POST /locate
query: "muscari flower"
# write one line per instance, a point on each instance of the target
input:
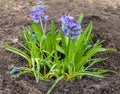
(70, 27)
(14, 70)
(37, 13)
(34, 36)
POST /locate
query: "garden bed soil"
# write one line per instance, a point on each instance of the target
(105, 15)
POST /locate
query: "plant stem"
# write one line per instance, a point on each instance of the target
(57, 80)
(42, 25)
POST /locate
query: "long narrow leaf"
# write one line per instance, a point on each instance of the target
(19, 52)
(37, 30)
(80, 18)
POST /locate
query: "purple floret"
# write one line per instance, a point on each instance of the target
(66, 30)
(45, 18)
(67, 20)
(70, 27)
(37, 13)
(40, 2)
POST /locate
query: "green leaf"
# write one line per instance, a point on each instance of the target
(95, 74)
(60, 49)
(53, 29)
(22, 45)
(80, 18)
(37, 30)
(27, 37)
(83, 41)
(64, 45)
(94, 61)
(19, 52)
(71, 51)
(35, 53)
(49, 42)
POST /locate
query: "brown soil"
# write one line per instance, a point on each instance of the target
(105, 15)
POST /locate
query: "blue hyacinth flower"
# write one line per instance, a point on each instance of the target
(67, 20)
(66, 30)
(74, 34)
(37, 13)
(70, 27)
(44, 18)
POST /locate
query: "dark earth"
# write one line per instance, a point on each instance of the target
(105, 14)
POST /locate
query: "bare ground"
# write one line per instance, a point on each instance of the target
(106, 25)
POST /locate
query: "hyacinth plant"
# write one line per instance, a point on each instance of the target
(66, 53)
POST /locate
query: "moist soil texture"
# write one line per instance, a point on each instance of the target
(105, 14)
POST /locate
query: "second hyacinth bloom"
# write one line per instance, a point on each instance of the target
(70, 27)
